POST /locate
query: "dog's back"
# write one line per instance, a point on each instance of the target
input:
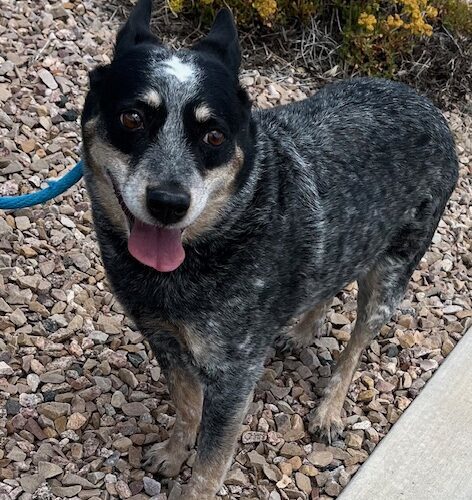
(363, 162)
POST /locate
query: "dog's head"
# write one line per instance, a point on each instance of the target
(166, 135)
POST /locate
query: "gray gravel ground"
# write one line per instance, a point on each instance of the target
(81, 395)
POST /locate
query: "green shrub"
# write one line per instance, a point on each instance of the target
(374, 36)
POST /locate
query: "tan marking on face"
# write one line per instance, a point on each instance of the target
(220, 183)
(100, 155)
(152, 97)
(203, 112)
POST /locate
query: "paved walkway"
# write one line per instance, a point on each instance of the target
(428, 453)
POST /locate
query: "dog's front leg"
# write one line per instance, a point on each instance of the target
(166, 458)
(226, 398)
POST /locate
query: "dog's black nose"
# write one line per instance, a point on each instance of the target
(168, 204)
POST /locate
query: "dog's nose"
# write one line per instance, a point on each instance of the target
(168, 204)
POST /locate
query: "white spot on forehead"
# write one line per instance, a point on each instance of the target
(183, 71)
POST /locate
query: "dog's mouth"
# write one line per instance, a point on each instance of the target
(157, 247)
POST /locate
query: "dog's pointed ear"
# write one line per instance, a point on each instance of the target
(222, 41)
(137, 28)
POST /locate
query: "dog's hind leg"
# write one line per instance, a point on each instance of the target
(380, 290)
(166, 459)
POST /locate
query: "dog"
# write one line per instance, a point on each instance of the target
(219, 224)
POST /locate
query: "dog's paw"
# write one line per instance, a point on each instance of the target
(187, 492)
(161, 460)
(326, 423)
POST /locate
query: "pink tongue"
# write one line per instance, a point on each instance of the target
(156, 247)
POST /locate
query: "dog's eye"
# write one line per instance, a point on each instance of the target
(214, 138)
(132, 120)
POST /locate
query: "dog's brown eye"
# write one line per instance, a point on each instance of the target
(215, 138)
(131, 120)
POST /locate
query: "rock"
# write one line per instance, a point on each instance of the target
(128, 377)
(54, 410)
(255, 459)
(5, 94)
(383, 386)
(428, 364)
(283, 423)
(272, 472)
(296, 463)
(284, 482)
(309, 470)
(406, 339)
(292, 450)
(30, 483)
(286, 468)
(98, 337)
(66, 491)
(353, 440)
(332, 488)
(30, 400)
(70, 479)
(134, 409)
(5, 369)
(155, 373)
(48, 470)
(80, 261)
(17, 317)
(122, 489)
(118, 399)
(253, 437)
(33, 381)
(12, 406)
(22, 223)
(367, 395)
(320, 458)
(447, 347)
(363, 425)
(47, 78)
(76, 421)
(274, 495)
(28, 146)
(151, 486)
(16, 454)
(339, 319)
(122, 444)
(236, 477)
(117, 359)
(303, 482)
(54, 377)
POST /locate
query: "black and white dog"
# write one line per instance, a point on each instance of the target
(218, 225)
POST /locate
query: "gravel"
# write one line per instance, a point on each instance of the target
(81, 395)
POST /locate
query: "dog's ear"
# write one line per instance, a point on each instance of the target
(222, 41)
(137, 28)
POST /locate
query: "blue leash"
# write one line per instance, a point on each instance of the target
(55, 188)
